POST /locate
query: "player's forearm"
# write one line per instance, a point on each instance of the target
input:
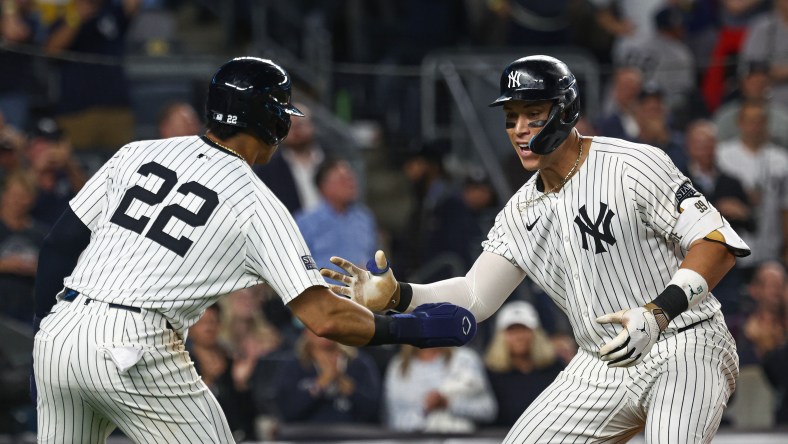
(482, 291)
(711, 260)
(334, 317)
(702, 269)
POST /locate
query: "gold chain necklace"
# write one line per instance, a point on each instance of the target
(532, 201)
(227, 148)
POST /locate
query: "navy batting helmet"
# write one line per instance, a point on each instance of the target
(253, 94)
(538, 78)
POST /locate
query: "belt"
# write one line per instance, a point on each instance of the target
(70, 295)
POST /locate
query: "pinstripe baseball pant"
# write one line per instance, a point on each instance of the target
(678, 394)
(99, 367)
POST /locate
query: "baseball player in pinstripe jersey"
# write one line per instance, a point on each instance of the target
(158, 234)
(624, 245)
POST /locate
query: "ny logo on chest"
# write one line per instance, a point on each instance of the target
(588, 228)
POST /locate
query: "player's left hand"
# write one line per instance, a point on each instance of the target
(372, 288)
(640, 333)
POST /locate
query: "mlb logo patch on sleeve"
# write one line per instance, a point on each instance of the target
(309, 263)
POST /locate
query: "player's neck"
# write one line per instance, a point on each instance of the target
(242, 145)
(569, 158)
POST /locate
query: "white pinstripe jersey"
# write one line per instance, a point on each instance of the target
(605, 241)
(178, 222)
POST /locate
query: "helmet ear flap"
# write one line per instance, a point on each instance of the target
(549, 137)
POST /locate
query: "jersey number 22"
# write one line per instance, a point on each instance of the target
(156, 233)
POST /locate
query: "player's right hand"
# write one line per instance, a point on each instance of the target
(640, 333)
(373, 288)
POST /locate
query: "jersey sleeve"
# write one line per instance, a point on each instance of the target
(91, 201)
(497, 239)
(276, 251)
(669, 204)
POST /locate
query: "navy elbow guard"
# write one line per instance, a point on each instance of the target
(429, 325)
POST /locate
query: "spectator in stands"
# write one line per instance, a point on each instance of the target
(18, 26)
(734, 16)
(58, 174)
(759, 331)
(767, 41)
(21, 237)
(440, 224)
(437, 390)
(754, 84)
(520, 360)
(178, 119)
(652, 118)
(246, 332)
(93, 107)
(618, 118)
(664, 59)
(339, 225)
(291, 172)
(326, 382)
(723, 191)
(214, 364)
(762, 168)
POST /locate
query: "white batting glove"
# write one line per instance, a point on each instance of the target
(640, 333)
(372, 289)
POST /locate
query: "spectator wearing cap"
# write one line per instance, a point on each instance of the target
(754, 84)
(665, 59)
(339, 225)
(653, 121)
(767, 41)
(521, 361)
(57, 172)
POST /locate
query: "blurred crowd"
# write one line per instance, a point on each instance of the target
(705, 80)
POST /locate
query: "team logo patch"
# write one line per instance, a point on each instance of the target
(684, 192)
(591, 228)
(309, 263)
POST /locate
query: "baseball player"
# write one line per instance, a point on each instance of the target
(625, 246)
(157, 235)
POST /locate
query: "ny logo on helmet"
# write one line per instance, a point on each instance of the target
(514, 79)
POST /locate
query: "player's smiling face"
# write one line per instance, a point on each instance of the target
(524, 120)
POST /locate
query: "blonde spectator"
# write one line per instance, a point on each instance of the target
(246, 332)
(521, 361)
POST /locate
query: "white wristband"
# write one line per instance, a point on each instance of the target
(692, 283)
